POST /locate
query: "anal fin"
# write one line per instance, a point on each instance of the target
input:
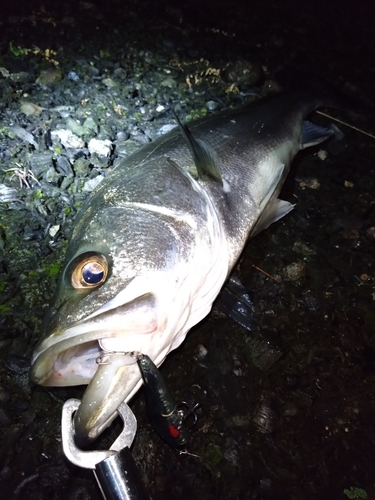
(235, 302)
(313, 134)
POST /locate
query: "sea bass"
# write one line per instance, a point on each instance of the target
(154, 244)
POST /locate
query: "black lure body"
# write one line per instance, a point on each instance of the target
(164, 415)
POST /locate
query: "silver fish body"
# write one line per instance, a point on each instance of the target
(152, 247)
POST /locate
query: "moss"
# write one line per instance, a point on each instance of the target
(4, 309)
(213, 454)
(199, 113)
(17, 50)
(104, 54)
(53, 269)
(38, 194)
(33, 274)
(355, 493)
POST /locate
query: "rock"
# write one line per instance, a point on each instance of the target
(100, 147)
(294, 271)
(67, 138)
(244, 72)
(92, 184)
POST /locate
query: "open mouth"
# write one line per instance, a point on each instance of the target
(101, 351)
(110, 370)
(76, 365)
(112, 378)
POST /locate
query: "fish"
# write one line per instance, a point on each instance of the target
(154, 244)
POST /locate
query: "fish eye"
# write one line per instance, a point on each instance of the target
(89, 272)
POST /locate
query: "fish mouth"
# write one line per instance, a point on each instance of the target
(68, 356)
(100, 351)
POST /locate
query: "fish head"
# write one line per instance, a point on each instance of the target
(124, 268)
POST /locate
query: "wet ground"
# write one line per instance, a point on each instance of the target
(286, 412)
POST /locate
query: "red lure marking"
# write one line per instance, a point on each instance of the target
(173, 431)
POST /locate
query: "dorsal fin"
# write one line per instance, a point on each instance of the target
(205, 160)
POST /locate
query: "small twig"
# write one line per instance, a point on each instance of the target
(264, 272)
(346, 124)
(22, 174)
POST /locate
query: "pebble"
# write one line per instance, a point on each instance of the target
(241, 72)
(54, 230)
(294, 271)
(7, 194)
(212, 105)
(122, 135)
(91, 184)
(72, 75)
(63, 166)
(75, 127)
(4, 395)
(67, 138)
(165, 129)
(100, 147)
(90, 125)
(309, 182)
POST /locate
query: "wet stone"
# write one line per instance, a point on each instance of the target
(63, 166)
(51, 175)
(5, 473)
(100, 147)
(91, 184)
(40, 163)
(90, 125)
(4, 395)
(232, 455)
(17, 364)
(81, 167)
(265, 416)
(122, 135)
(20, 406)
(244, 72)
(30, 234)
(264, 350)
(7, 194)
(75, 127)
(67, 181)
(290, 409)
(311, 302)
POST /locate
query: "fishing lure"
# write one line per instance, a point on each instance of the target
(167, 418)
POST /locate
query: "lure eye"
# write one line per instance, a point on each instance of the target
(89, 272)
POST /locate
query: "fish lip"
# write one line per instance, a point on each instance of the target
(44, 356)
(50, 349)
(129, 321)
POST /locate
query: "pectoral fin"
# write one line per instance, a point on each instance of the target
(274, 211)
